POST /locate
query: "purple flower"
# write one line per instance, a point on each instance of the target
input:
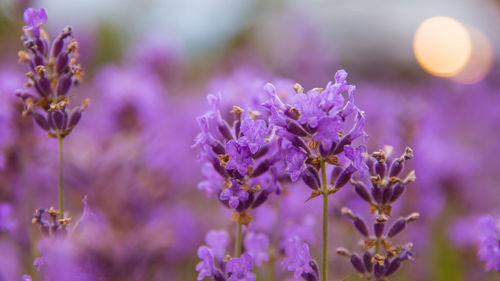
(239, 269)
(309, 107)
(206, 267)
(489, 243)
(254, 133)
(34, 20)
(213, 181)
(356, 156)
(26, 278)
(240, 157)
(298, 258)
(256, 246)
(7, 223)
(218, 241)
(328, 129)
(295, 159)
(358, 129)
(234, 195)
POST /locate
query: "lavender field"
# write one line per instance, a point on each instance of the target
(249, 140)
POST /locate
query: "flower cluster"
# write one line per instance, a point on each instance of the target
(386, 188)
(221, 267)
(53, 70)
(489, 242)
(241, 158)
(313, 127)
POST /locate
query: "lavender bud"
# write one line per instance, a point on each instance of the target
(314, 265)
(360, 225)
(237, 127)
(370, 163)
(343, 252)
(260, 199)
(380, 168)
(225, 131)
(311, 178)
(377, 194)
(43, 86)
(324, 151)
(335, 173)
(340, 146)
(360, 189)
(58, 44)
(261, 168)
(38, 60)
(218, 148)
(357, 263)
(378, 228)
(76, 114)
(345, 176)
(218, 275)
(387, 194)
(309, 276)
(378, 270)
(40, 45)
(393, 266)
(396, 168)
(399, 188)
(412, 217)
(62, 63)
(367, 259)
(242, 206)
(58, 120)
(219, 168)
(261, 152)
(64, 84)
(41, 121)
(295, 128)
(292, 113)
(298, 142)
(398, 226)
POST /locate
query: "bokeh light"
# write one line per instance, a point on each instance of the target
(442, 46)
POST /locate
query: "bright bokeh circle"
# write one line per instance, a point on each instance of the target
(442, 46)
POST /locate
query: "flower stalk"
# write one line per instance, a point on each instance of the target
(60, 184)
(325, 221)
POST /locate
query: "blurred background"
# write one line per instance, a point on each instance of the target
(426, 74)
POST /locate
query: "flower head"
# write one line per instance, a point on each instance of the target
(489, 243)
(298, 258)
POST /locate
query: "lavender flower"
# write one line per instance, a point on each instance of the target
(34, 20)
(386, 188)
(256, 245)
(299, 260)
(489, 243)
(220, 267)
(239, 269)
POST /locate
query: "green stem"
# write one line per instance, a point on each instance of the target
(325, 221)
(237, 247)
(60, 178)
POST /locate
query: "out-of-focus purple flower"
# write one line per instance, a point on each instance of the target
(217, 241)
(234, 195)
(206, 267)
(213, 180)
(239, 269)
(7, 223)
(34, 19)
(26, 278)
(489, 243)
(256, 245)
(240, 157)
(298, 258)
